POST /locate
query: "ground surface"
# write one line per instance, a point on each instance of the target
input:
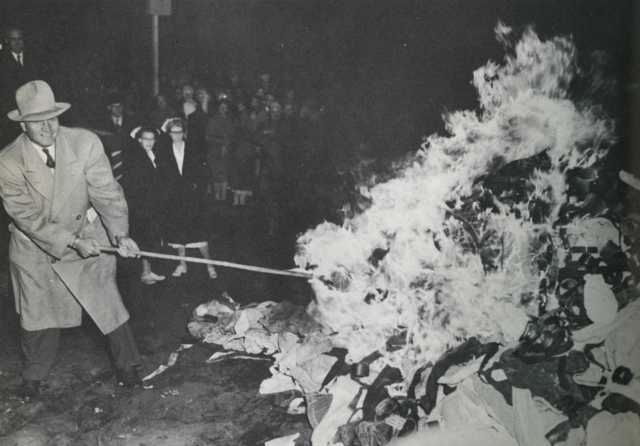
(192, 403)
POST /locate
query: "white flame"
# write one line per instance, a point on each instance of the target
(430, 284)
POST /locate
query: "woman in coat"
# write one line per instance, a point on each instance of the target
(145, 194)
(185, 174)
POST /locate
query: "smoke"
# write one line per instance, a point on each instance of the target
(445, 250)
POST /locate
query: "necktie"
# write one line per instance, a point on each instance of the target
(21, 62)
(50, 161)
(152, 157)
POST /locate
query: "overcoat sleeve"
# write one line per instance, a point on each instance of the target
(105, 193)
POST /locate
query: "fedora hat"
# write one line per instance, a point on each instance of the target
(36, 102)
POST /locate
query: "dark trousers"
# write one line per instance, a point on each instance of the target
(40, 347)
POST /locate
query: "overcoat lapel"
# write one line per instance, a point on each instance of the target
(35, 170)
(67, 173)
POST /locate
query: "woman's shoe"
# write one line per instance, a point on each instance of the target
(156, 277)
(150, 278)
(212, 272)
(180, 270)
(147, 279)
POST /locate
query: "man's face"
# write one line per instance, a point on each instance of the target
(176, 133)
(202, 95)
(187, 93)
(147, 140)
(15, 41)
(116, 109)
(42, 133)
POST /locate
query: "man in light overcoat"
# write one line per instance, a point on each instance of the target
(57, 187)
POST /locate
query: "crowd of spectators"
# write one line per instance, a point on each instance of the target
(263, 152)
(266, 152)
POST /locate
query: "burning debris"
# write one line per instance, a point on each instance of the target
(494, 276)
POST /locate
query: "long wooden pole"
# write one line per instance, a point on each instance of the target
(257, 269)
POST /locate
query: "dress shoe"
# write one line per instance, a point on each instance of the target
(29, 389)
(128, 378)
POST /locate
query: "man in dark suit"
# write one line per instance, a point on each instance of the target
(114, 132)
(17, 67)
(117, 120)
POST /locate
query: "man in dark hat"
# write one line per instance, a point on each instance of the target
(64, 204)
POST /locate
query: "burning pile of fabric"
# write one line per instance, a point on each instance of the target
(491, 283)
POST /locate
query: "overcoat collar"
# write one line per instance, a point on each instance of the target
(36, 171)
(57, 187)
(67, 172)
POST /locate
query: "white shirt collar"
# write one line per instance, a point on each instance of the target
(38, 148)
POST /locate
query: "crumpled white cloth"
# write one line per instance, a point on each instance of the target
(305, 362)
(621, 348)
(476, 408)
(289, 440)
(343, 390)
(277, 382)
(607, 429)
(599, 300)
(463, 436)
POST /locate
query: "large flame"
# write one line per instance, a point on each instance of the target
(412, 264)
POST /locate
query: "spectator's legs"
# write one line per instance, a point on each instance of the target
(182, 266)
(204, 252)
(148, 277)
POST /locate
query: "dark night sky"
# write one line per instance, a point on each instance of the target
(397, 63)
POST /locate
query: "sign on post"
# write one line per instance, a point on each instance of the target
(159, 7)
